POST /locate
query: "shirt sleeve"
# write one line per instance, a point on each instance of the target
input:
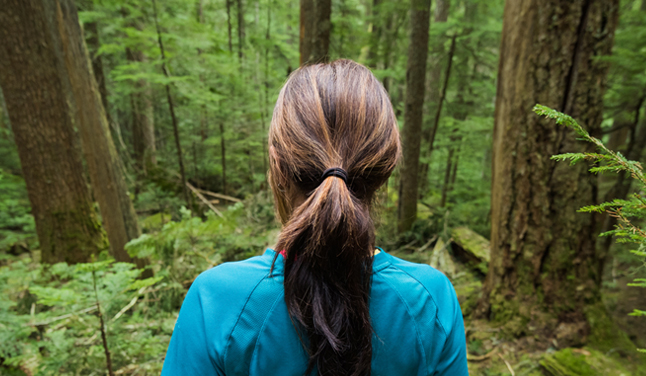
(189, 351)
(453, 359)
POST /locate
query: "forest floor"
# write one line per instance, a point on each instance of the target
(491, 352)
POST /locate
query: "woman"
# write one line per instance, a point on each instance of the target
(329, 303)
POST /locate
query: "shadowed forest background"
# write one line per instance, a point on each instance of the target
(133, 156)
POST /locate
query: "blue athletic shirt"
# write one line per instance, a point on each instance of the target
(234, 321)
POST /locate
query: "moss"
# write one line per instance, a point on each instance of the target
(604, 333)
(582, 362)
(472, 242)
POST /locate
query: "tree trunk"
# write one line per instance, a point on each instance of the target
(392, 34)
(447, 177)
(375, 34)
(241, 34)
(412, 130)
(307, 31)
(441, 15)
(454, 173)
(430, 135)
(104, 165)
(143, 128)
(321, 42)
(42, 123)
(94, 43)
(223, 158)
(171, 109)
(544, 268)
(229, 25)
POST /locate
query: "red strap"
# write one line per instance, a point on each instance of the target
(283, 253)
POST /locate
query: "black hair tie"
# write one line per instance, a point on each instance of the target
(336, 172)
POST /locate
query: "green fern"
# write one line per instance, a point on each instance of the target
(629, 212)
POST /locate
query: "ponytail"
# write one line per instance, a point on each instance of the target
(329, 119)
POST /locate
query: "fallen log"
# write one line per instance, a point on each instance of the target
(441, 259)
(471, 248)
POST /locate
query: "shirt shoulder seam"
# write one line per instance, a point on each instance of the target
(228, 344)
(264, 324)
(408, 310)
(430, 295)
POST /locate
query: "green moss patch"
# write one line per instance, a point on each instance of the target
(582, 362)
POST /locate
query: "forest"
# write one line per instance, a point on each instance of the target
(133, 157)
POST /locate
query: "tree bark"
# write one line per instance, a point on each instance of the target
(307, 31)
(143, 127)
(94, 43)
(544, 268)
(412, 130)
(321, 42)
(42, 123)
(104, 164)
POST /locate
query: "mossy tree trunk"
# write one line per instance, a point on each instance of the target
(544, 267)
(420, 12)
(42, 123)
(103, 162)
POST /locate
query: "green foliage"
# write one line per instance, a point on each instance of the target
(49, 320)
(16, 223)
(630, 213)
(182, 249)
(49, 317)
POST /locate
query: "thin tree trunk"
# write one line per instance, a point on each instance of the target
(266, 104)
(229, 25)
(241, 34)
(375, 34)
(438, 111)
(203, 113)
(441, 15)
(143, 128)
(412, 130)
(307, 9)
(223, 157)
(447, 177)
(171, 108)
(454, 173)
(392, 34)
(42, 124)
(545, 270)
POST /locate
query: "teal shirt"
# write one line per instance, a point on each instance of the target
(234, 321)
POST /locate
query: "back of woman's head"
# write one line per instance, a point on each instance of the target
(334, 115)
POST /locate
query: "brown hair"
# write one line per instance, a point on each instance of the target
(331, 115)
